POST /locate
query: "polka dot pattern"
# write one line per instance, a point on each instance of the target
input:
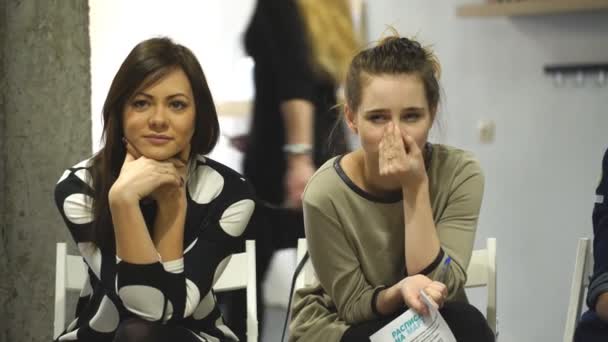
(205, 307)
(71, 336)
(87, 290)
(212, 190)
(193, 297)
(219, 323)
(199, 337)
(79, 174)
(220, 268)
(209, 338)
(144, 301)
(206, 185)
(190, 246)
(78, 208)
(234, 219)
(72, 325)
(84, 175)
(65, 175)
(92, 255)
(106, 319)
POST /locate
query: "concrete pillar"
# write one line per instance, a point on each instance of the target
(4, 280)
(44, 128)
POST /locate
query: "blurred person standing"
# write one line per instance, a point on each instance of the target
(301, 50)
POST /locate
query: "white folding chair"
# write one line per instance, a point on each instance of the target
(307, 275)
(70, 274)
(583, 266)
(239, 274)
(481, 272)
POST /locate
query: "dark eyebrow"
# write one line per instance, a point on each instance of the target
(141, 93)
(178, 94)
(411, 109)
(384, 110)
(169, 97)
(376, 111)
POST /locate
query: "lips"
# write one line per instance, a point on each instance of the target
(157, 139)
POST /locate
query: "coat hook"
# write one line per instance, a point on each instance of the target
(558, 79)
(601, 78)
(562, 73)
(580, 79)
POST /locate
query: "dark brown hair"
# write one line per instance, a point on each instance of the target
(394, 55)
(147, 63)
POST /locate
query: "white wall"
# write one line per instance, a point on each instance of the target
(543, 167)
(211, 29)
(541, 170)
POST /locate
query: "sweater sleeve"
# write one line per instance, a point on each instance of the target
(599, 280)
(457, 225)
(152, 291)
(169, 293)
(74, 199)
(337, 267)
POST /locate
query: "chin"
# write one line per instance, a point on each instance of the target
(158, 155)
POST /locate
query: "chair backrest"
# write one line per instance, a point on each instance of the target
(70, 274)
(481, 272)
(583, 266)
(240, 273)
(307, 276)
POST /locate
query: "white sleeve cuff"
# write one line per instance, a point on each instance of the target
(174, 266)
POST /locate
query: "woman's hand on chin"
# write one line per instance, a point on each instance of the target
(141, 177)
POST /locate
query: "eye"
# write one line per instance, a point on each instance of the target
(376, 118)
(140, 104)
(411, 117)
(178, 105)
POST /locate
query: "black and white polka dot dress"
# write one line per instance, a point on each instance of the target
(220, 205)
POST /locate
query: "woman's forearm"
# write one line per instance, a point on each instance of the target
(133, 242)
(299, 121)
(168, 234)
(389, 300)
(421, 240)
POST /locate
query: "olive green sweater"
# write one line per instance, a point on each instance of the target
(356, 241)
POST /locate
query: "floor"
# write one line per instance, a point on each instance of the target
(274, 318)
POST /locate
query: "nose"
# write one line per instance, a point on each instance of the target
(158, 119)
(399, 126)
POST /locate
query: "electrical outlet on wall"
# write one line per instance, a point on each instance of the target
(486, 130)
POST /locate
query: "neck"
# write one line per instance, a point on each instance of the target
(371, 179)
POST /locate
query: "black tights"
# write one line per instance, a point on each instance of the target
(139, 330)
(591, 329)
(465, 321)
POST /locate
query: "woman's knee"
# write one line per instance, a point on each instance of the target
(467, 322)
(461, 309)
(136, 330)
